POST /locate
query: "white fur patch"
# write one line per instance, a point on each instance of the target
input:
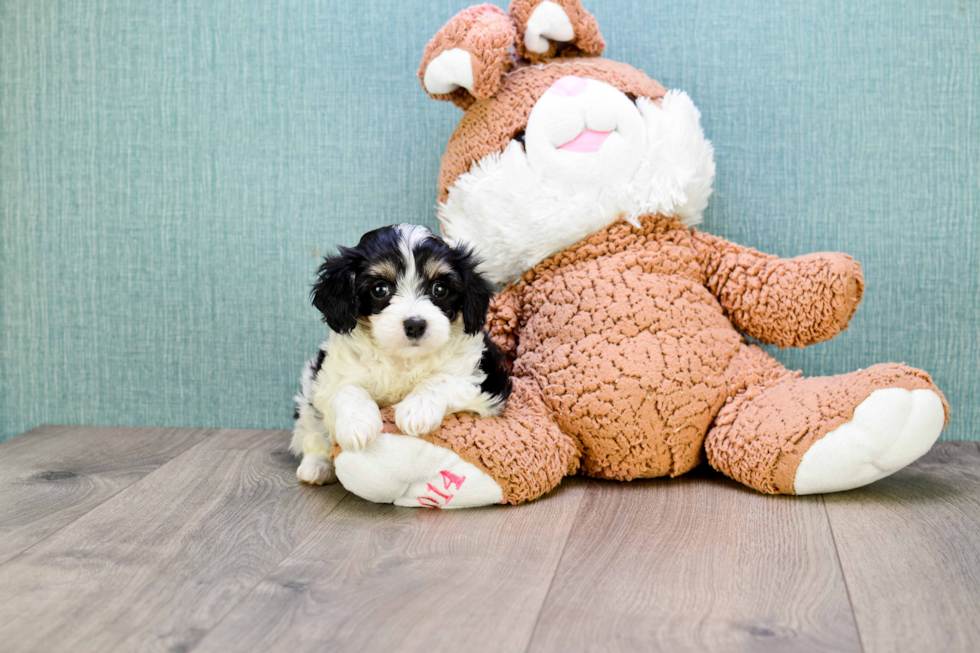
(414, 473)
(316, 470)
(448, 71)
(889, 430)
(558, 118)
(422, 410)
(547, 21)
(357, 419)
(388, 326)
(516, 209)
(357, 377)
(420, 413)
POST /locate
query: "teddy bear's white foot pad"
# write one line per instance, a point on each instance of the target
(889, 430)
(410, 472)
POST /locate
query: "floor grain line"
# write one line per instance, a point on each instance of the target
(180, 540)
(383, 578)
(843, 572)
(155, 567)
(696, 563)
(267, 574)
(909, 547)
(54, 475)
(590, 486)
(26, 551)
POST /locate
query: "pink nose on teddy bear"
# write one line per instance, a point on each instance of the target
(569, 85)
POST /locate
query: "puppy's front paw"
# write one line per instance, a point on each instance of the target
(316, 471)
(419, 414)
(355, 428)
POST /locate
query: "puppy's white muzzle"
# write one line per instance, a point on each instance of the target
(410, 327)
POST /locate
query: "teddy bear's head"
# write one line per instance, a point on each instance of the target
(556, 143)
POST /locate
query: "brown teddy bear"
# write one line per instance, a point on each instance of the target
(576, 179)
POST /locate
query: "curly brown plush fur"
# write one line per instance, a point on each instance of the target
(629, 348)
(627, 363)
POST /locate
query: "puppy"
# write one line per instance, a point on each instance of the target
(406, 312)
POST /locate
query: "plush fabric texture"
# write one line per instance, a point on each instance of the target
(890, 429)
(485, 32)
(660, 163)
(762, 433)
(796, 302)
(587, 41)
(414, 473)
(632, 341)
(626, 338)
(627, 365)
(489, 125)
(523, 450)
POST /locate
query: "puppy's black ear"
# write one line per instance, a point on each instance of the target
(477, 291)
(334, 293)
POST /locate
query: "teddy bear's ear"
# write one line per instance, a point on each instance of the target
(553, 28)
(467, 59)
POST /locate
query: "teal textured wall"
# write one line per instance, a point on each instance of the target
(171, 170)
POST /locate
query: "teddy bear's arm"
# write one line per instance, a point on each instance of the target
(787, 302)
(503, 321)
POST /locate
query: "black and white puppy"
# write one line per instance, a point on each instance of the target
(406, 312)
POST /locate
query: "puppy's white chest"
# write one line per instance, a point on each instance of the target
(390, 383)
(387, 379)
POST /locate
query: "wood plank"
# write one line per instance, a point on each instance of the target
(909, 546)
(697, 563)
(53, 475)
(380, 578)
(159, 564)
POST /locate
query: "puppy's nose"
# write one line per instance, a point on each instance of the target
(414, 327)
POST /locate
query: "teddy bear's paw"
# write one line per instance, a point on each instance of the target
(316, 470)
(419, 414)
(889, 430)
(411, 472)
(354, 429)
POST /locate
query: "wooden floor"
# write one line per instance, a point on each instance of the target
(180, 540)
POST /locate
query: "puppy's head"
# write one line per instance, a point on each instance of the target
(406, 287)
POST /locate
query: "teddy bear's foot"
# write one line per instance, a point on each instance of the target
(467, 461)
(889, 430)
(411, 472)
(794, 435)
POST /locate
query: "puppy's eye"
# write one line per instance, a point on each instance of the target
(439, 290)
(380, 290)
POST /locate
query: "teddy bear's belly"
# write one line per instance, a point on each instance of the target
(633, 364)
